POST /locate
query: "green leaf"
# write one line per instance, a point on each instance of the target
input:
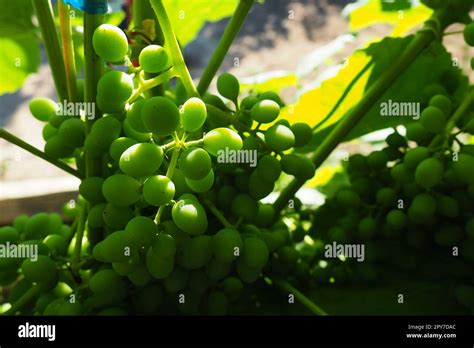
(15, 18)
(363, 68)
(269, 81)
(20, 56)
(188, 17)
(399, 13)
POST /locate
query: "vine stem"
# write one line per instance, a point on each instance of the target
(218, 214)
(45, 16)
(25, 299)
(305, 301)
(175, 51)
(76, 257)
(421, 40)
(68, 49)
(224, 44)
(151, 83)
(4, 134)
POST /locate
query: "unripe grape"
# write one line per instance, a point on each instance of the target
(417, 133)
(121, 190)
(72, 132)
(9, 234)
(141, 160)
(396, 140)
(303, 133)
(57, 148)
(232, 287)
(443, 103)
(265, 111)
(366, 228)
(279, 138)
(177, 280)
(107, 126)
(399, 173)
(219, 139)
(118, 147)
(248, 102)
(201, 185)
(447, 206)
(348, 198)
(43, 109)
(91, 189)
(227, 245)
(164, 245)
(158, 190)
(196, 252)
(193, 114)
(469, 34)
(386, 196)
(464, 167)
(190, 216)
(110, 43)
(244, 206)
(228, 86)
(270, 95)
(95, 218)
(396, 219)
(298, 165)
(254, 252)
(114, 88)
(423, 207)
(415, 156)
(246, 273)
(258, 187)
(429, 173)
(160, 116)
(153, 59)
(377, 160)
(159, 267)
(43, 270)
(195, 163)
(49, 131)
(134, 116)
(114, 247)
(268, 168)
(433, 119)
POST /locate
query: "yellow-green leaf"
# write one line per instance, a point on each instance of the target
(270, 81)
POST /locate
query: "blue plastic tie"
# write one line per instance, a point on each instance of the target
(89, 6)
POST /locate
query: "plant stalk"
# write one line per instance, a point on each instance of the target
(224, 44)
(24, 300)
(68, 49)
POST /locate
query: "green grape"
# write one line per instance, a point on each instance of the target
(269, 95)
(43, 109)
(469, 34)
(348, 198)
(399, 173)
(392, 153)
(134, 116)
(248, 102)
(386, 196)
(396, 140)
(225, 195)
(415, 156)
(107, 126)
(298, 165)
(121, 190)
(279, 138)
(193, 114)
(268, 168)
(433, 119)
(57, 148)
(72, 131)
(91, 189)
(216, 101)
(258, 187)
(469, 228)
(221, 139)
(114, 248)
(337, 234)
(49, 131)
(429, 173)
(303, 133)
(160, 116)
(127, 267)
(232, 287)
(113, 89)
(443, 103)
(265, 215)
(417, 133)
(107, 282)
(158, 190)
(377, 160)
(148, 300)
(159, 267)
(177, 280)
(97, 144)
(164, 245)
(228, 86)
(118, 147)
(431, 90)
(244, 206)
(43, 270)
(37, 226)
(448, 235)
(265, 111)
(254, 252)
(217, 270)
(226, 245)
(140, 232)
(366, 228)
(140, 276)
(95, 218)
(57, 244)
(195, 163)
(196, 252)
(396, 219)
(447, 206)
(422, 208)
(358, 163)
(245, 119)
(110, 43)
(217, 303)
(464, 167)
(190, 216)
(153, 59)
(68, 308)
(201, 185)
(141, 160)
(246, 273)
(8, 234)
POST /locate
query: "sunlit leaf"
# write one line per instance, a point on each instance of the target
(15, 19)
(269, 81)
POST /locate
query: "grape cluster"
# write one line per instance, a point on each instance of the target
(407, 203)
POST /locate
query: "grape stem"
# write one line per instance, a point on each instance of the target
(218, 214)
(4, 134)
(173, 47)
(224, 44)
(68, 49)
(45, 16)
(153, 82)
(305, 301)
(24, 300)
(421, 40)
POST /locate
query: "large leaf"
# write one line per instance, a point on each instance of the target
(20, 56)
(399, 13)
(15, 17)
(274, 81)
(188, 17)
(363, 68)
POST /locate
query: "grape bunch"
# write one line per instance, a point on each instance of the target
(174, 220)
(409, 204)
